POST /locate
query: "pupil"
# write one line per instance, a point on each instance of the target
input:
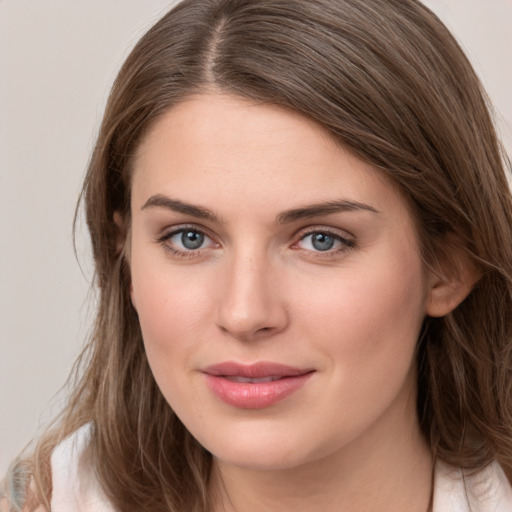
(192, 239)
(322, 242)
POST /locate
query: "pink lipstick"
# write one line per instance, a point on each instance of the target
(254, 386)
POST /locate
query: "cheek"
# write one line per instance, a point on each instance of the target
(368, 329)
(358, 304)
(169, 304)
(170, 310)
(368, 321)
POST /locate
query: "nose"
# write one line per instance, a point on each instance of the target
(252, 305)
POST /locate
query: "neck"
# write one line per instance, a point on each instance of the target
(388, 469)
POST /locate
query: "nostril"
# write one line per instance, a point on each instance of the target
(264, 330)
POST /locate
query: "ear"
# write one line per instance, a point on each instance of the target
(121, 231)
(451, 282)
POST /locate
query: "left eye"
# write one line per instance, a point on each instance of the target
(322, 241)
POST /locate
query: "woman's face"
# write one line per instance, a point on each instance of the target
(278, 284)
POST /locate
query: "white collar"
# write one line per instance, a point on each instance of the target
(456, 490)
(75, 486)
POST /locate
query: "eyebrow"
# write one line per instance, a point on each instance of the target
(288, 216)
(327, 208)
(160, 201)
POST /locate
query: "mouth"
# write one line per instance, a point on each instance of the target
(239, 378)
(254, 386)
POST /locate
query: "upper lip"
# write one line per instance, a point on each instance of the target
(254, 370)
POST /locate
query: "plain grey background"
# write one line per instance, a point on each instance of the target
(58, 59)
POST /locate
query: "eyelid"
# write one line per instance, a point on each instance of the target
(168, 233)
(337, 232)
(172, 230)
(347, 240)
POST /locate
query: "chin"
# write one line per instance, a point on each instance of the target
(263, 451)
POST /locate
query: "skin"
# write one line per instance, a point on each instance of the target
(259, 290)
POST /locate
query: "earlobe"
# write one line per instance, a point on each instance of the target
(448, 288)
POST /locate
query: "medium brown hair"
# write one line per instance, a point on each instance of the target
(388, 81)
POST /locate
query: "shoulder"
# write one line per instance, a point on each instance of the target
(485, 491)
(75, 486)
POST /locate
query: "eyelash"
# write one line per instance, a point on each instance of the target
(346, 244)
(191, 253)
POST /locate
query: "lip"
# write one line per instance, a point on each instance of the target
(254, 386)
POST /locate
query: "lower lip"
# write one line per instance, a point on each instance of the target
(246, 395)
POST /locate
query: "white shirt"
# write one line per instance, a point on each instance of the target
(75, 487)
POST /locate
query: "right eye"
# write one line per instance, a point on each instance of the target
(188, 239)
(186, 242)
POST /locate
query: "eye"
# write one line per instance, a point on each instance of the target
(324, 241)
(319, 241)
(186, 241)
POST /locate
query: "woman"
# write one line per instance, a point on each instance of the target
(301, 228)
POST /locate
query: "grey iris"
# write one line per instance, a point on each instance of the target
(192, 239)
(322, 242)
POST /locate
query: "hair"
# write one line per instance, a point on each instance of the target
(388, 82)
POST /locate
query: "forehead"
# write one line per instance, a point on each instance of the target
(212, 149)
(221, 123)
